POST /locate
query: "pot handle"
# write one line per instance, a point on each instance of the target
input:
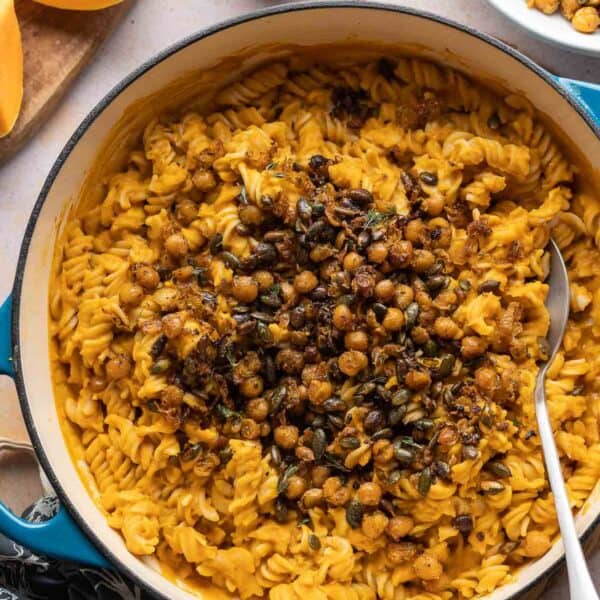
(587, 93)
(60, 536)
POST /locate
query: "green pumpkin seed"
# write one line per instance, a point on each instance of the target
(281, 511)
(424, 483)
(160, 366)
(230, 259)
(382, 434)
(412, 314)
(469, 453)
(275, 455)
(396, 415)
(401, 397)
(423, 424)
(446, 365)
(499, 469)
(277, 398)
(491, 488)
(354, 514)
(314, 542)
(191, 453)
(319, 443)
(404, 456)
(350, 443)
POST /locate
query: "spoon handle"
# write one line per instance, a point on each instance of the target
(581, 586)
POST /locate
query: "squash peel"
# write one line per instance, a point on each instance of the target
(79, 4)
(11, 67)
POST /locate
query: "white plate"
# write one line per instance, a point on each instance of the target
(552, 28)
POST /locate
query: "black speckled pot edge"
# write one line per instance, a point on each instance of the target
(544, 576)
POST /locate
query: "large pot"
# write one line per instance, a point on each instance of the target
(79, 531)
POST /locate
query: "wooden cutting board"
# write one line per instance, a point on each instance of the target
(57, 44)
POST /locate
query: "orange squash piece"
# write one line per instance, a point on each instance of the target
(79, 4)
(11, 67)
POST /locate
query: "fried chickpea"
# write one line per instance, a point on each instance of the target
(536, 543)
(472, 346)
(356, 340)
(417, 380)
(204, 180)
(286, 436)
(335, 493)
(264, 279)
(352, 261)
(434, 204)
(186, 211)
(257, 409)
(305, 282)
(446, 328)
(249, 429)
(118, 367)
(399, 553)
(296, 486)
(414, 230)
(403, 296)
(547, 6)
(172, 395)
(176, 245)
(419, 335)
(369, 493)
(289, 294)
(377, 252)
(401, 254)
(383, 452)
(172, 325)
(319, 391)
(374, 524)
(393, 320)
(319, 474)
(147, 277)
(428, 567)
(343, 318)
(448, 436)
(244, 288)
(399, 527)
(385, 290)
(352, 362)
(423, 260)
(586, 19)
(486, 379)
(250, 215)
(97, 383)
(312, 497)
(131, 294)
(251, 387)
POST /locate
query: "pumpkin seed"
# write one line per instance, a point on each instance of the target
(382, 434)
(402, 396)
(428, 178)
(423, 424)
(334, 405)
(191, 453)
(216, 244)
(283, 482)
(436, 282)
(469, 453)
(319, 443)
(499, 469)
(226, 455)
(304, 209)
(464, 523)
(160, 366)
(424, 483)
(275, 455)
(394, 477)
(396, 414)
(404, 456)
(354, 514)
(412, 314)
(314, 542)
(430, 348)
(231, 260)
(350, 443)
(281, 511)
(446, 365)
(489, 285)
(278, 396)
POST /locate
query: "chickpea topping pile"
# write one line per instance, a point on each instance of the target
(583, 14)
(372, 380)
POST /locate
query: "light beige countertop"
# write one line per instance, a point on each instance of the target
(149, 27)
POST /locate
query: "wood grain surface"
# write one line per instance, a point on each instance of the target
(57, 44)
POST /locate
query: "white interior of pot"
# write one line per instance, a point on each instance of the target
(315, 26)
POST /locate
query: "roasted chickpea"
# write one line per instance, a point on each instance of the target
(374, 524)
(472, 346)
(400, 553)
(250, 429)
(434, 204)
(385, 290)
(419, 335)
(369, 494)
(172, 395)
(335, 493)
(286, 436)
(251, 387)
(343, 318)
(250, 215)
(172, 325)
(263, 279)
(176, 245)
(186, 211)
(423, 260)
(289, 294)
(204, 180)
(131, 294)
(427, 566)
(296, 486)
(536, 543)
(399, 527)
(146, 276)
(486, 379)
(305, 282)
(352, 362)
(446, 328)
(319, 391)
(118, 367)
(304, 454)
(356, 340)
(414, 230)
(312, 497)
(97, 383)
(377, 252)
(290, 361)
(448, 436)
(401, 254)
(393, 320)
(244, 288)
(257, 409)
(319, 474)
(403, 296)
(586, 19)
(352, 261)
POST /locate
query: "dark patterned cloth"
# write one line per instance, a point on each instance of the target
(26, 576)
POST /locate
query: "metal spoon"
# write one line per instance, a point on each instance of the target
(581, 586)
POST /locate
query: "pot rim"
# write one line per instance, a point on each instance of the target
(94, 113)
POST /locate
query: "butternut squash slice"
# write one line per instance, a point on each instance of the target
(79, 4)
(11, 67)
